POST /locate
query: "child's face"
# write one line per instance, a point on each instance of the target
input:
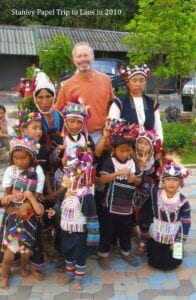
(2, 114)
(18, 195)
(122, 152)
(74, 125)
(22, 159)
(33, 130)
(171, 185)
(143, 146)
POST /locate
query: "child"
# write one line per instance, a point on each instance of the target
(77, 163)
(148, 149)
(119, 174)
(20, 225)
(78, 219)
(75, 135)
(29, 125)
(5, 131)
(171, 219)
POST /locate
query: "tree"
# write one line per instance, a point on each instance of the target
(162, 35)
(55, 57)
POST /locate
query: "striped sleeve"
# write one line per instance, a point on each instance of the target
(185, 217)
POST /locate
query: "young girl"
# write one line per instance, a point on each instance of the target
(119, 174)
(171, 219)
(5, 130)
(148, 150)
(22, 207)
(23, 155)
(29, 125)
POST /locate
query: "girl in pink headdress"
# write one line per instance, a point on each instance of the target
(171, 219)
(149, 152)
(18, 232)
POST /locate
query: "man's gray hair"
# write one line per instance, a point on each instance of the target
(83, 44)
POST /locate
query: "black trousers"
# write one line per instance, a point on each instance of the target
(119, 226)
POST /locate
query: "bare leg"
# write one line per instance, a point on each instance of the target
(24, 259)
(5, 268)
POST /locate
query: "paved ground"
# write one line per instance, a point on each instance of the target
(122, 282)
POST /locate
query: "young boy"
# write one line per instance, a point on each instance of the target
(119, 173)
(76, 211)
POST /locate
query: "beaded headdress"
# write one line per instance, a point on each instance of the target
(24, 143)
(78, 110)
(139, 132)
(25, 117)
(120, 132)
(143, 70)
(75, 109)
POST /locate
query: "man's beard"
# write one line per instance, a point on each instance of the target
(85, 68)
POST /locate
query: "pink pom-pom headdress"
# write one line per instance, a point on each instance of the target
(120, 132)
(25, 144)
(172, 170)
(25, 117)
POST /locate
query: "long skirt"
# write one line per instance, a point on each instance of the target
(160, 256)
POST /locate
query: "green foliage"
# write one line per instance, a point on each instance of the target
(120, 92)
(189, 157)
(27, 104)
(162, 34)
(55, 57)
(30, 72)
(178, 136)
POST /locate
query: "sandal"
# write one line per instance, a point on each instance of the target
(131, 260)
(104, 263)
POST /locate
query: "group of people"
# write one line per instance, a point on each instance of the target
(90, 169)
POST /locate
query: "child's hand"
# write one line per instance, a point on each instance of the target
(29, 195)
(123, 171)
(59, 149)
(22, 211)
(66, 182)
(171, 247)
(51, 212)
(106, 131)
(143, 159)
(130, 177)
(136, 180)
(5, 200)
